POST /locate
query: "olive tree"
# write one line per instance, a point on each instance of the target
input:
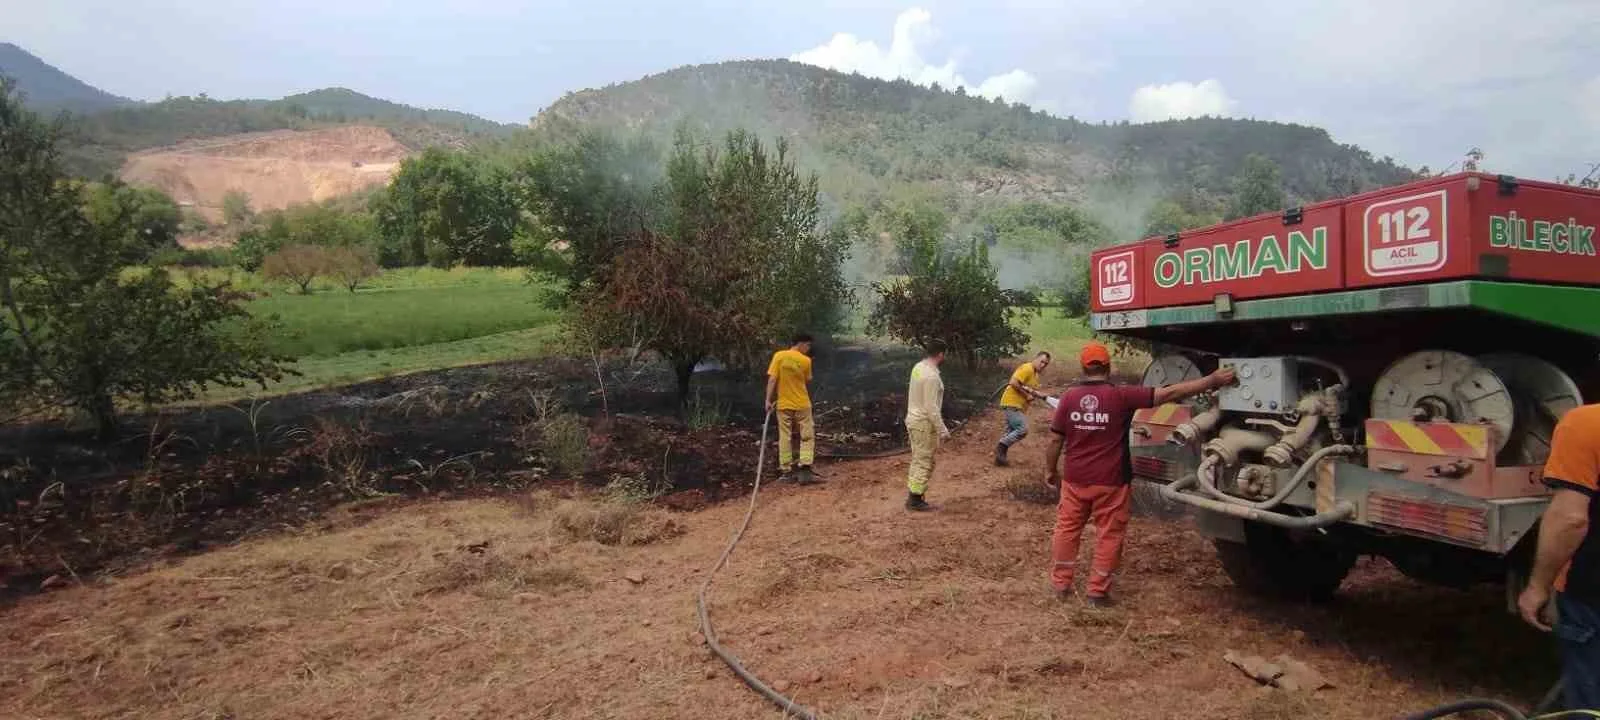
(84, 327)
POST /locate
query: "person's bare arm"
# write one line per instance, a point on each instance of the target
(1052, 459)
(1561, 531)
(1190, 388)
(772, 390)
(1024, 389)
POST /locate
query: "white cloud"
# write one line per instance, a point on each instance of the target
(913, 32)
(1178, 100)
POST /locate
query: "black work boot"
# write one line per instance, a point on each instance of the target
(914, 502)
(1098, 602)
(1000, 455)
(804, 476)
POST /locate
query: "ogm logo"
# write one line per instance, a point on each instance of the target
(1088, 412)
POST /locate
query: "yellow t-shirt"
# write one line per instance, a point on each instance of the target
(1025, 375)
(793, 370)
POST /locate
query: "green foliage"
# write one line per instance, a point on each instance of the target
(236, 208)
(735, 260)
(1173, 215)
(192, 257)
(314, 224)
(81, 329)
(148, 220)
(1258, 189)
(951, 295)
(446, 207)
(591, 193)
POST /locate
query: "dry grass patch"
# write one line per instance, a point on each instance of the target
(490, 575)
(1029, 489)
(613, 522)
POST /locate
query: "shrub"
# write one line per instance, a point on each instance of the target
(192, 257)
(297, 264)
(350, 266)
(953, 297)
(564, 442)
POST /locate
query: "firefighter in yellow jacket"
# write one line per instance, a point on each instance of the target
(787, 395)
(924, 424)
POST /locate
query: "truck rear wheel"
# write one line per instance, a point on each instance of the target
(1273, 563)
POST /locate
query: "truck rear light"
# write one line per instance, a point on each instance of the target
(1461, 523)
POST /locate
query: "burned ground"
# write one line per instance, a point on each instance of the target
(537, 604)
(184, 480)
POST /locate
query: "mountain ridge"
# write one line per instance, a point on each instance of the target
(48, 89)
(862, 131)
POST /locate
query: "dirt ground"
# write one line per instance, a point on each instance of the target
(277, 168)
(566, 604)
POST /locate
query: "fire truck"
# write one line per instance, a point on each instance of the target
(1403, 356)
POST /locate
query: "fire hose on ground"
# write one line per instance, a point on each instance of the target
(792, 708)
(786, 703)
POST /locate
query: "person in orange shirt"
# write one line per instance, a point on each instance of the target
(787, 376)
(1568, 557)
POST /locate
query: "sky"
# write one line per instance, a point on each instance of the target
(1422, 81)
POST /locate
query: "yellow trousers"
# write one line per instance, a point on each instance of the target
(924, 441)
(790, 424)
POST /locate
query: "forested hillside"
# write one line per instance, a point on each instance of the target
(105, 128)
(861, 132)
(49, 90)
(103, 140)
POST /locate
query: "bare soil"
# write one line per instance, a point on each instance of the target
(558, 602)
(277, 169)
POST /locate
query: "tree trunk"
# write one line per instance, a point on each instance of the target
(685, 372)
(104, 412)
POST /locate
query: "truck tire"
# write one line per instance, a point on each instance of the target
(1272, 563)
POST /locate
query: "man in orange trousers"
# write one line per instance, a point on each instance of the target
(1091, 424)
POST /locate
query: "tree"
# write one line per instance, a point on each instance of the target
(298, 264)
(148, 218)
(1258, 189)
(236, 208)
(319, 224)
(951, 295)
(352, 265)
(735, 261)
(592, 196)
(82, 327)
(446, 207)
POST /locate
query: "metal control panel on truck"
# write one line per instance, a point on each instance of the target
(1403, 356)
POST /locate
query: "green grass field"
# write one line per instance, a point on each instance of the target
(418, 319)
(403, 321)
(1065, 337)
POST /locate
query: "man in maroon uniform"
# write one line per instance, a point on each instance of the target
(1092, 423)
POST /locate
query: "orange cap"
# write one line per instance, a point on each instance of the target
(1094, 353)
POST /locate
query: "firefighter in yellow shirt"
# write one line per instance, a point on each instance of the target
(1024, 387)
(787, 376)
